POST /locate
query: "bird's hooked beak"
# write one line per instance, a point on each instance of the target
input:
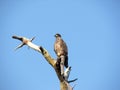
(55, 35)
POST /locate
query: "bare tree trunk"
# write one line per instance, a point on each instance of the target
(64, 85)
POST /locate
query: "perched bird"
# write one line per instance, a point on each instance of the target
(61, 50)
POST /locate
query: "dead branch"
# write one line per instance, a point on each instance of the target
(72, 80)
(64, 85)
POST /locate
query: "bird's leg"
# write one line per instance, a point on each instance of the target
(62, 64)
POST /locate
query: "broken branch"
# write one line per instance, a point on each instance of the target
(64, 85)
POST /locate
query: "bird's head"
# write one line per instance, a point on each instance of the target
(57, 35)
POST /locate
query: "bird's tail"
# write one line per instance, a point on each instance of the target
(66, 62)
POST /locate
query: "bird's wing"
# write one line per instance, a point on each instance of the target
(60, 47)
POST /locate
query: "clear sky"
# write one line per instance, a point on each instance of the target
(91, 29)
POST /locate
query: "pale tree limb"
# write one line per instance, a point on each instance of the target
(28, 42)
(64, 85)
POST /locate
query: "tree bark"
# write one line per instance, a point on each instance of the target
(64, 85)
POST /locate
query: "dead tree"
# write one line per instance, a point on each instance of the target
(64, 84)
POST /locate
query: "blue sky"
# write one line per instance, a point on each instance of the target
(90, 28)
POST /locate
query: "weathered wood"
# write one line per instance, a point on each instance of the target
(64, 85)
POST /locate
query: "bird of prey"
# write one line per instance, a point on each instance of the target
(61, 50)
